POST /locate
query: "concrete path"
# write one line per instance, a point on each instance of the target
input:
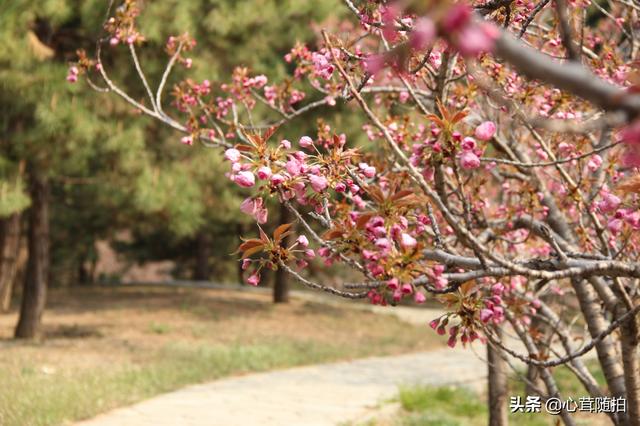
(308, 396)
(319, 395)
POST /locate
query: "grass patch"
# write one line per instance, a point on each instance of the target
(105, 348)
(53, 398)
(452, 406)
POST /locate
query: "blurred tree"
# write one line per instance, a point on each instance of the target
(229, 33)
(57, 154)
(83, 178)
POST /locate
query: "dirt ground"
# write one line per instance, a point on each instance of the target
(89, 327)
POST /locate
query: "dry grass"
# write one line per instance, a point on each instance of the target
(105, 347)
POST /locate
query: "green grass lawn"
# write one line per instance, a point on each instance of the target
(453, 406)
(105, 348)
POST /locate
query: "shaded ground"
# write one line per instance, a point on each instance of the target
(106, 347)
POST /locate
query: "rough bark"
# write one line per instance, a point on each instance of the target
(9, 252)
(534, 384)
(605, 349)
(497, 381)
(631, 365)
(202, 271)
(36, 281)
(281, 281)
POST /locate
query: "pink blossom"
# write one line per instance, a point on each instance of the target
(187, 140)
(469, 160)
(407, 241)
(594, 163)
(309, 254)
(261, 215)
(303, 241)
(609, 203)
(441, 282)
(248, 206)
(458, 16)
(232, 155)
(255, 208)
(631, 157)
(367, 170)
(260, 80)
(245, 179)
(486, 315)
(485, 131)
(72, 77)
(264, 173)
(306, 142)
(434, 323)
(497, 288)
(340, 187)
(294, 166)
(468, 144)
(406, 288)
(245, 264)
(615, 226)
(631, 134)
(419, 297)
(318, 183)
(424, 32)
(383, 244)
(285, 144)
(451, 342)
(374, 64)
(477, 38)
(389, 15)
(254, 279)
(393, 284)
(324, 251)
(277, 179)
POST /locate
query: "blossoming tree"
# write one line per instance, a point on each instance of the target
(499, 177)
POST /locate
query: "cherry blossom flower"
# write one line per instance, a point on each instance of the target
(485, 131)
(254, 279)
(318, 183)
(232, 155)
(306, 142)
(264, 172)
(303, 241)
(469, 160)
(245, 179)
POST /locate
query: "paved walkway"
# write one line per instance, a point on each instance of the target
(319, 395)
(308, 396)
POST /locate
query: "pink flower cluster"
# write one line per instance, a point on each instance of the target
(493, 311)
(468, 36)
(72, 76)
(255, 207)
(466, 334)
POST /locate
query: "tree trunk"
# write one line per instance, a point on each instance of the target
(605, 348)
(9, 252)
(631, 364)
(202, 271)
(498, 388)
(239, 233)
(281, 282)
(36, 280)
(534, 384)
